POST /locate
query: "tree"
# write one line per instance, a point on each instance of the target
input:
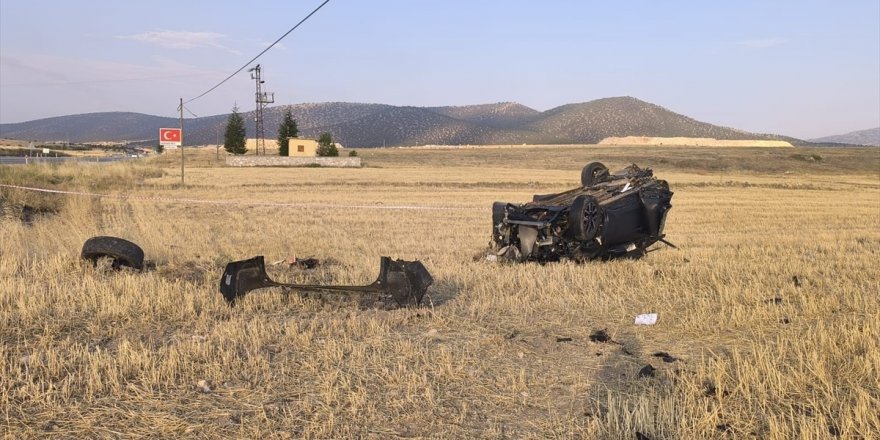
(159, 149)
(286, 130)
(326, 147)
(234, 138)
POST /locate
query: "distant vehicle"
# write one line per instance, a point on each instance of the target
(609, 216)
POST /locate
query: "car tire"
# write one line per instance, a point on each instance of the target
(121, 251)
(585, 218)
(593, 173)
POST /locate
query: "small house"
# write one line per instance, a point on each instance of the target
(302, 147)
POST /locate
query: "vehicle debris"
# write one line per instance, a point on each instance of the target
(600, 336)
(123, 253)
(647, 371)
(404, 281)
(302, 263)
(666, 357)
(646, 319)
(204, 386)
(305, 263)
(611, 215)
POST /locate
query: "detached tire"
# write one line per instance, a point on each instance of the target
(593, 173)
(122, 252)
(585, 218)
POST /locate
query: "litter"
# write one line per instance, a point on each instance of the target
(666, 357)
(600, 336)
(646, 319)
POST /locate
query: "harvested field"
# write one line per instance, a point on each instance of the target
(769, 311)
(692, 142)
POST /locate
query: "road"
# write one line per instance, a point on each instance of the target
(19, 160)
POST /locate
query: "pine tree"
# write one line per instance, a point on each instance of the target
(286, 130)
(234, 138)
(326, 147)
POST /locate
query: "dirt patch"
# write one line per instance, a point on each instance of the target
(26, 214)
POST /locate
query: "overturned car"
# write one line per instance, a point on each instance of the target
(611, 215)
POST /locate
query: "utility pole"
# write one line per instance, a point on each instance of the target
(218, 141)
(181, 142)
(262, 98)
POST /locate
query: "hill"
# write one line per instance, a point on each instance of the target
(500, 115)
(590, 122)
(89, 127)
(870, 136)
(407, 126)
(373, 125)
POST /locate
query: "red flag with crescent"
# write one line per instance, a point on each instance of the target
(169, 136)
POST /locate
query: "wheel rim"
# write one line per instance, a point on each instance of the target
(591, 218)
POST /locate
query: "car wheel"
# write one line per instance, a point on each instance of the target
(585, 218)
(593, 173)
(122, 252)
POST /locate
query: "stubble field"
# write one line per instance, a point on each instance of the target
(768, 309)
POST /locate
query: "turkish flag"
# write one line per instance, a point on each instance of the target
(169, 135)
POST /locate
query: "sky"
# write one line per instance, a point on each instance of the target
(799, 68)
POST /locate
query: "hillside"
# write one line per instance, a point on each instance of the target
(373, 125)
(590, 122)
(89, 127)
(870, 136)
(407, 126)
(500, 115)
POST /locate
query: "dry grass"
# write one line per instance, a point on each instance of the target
(692, 142)
(71, 177)
(770, 305)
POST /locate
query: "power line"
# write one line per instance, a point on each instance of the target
(190, 111)
(101, 81)
(260, 54)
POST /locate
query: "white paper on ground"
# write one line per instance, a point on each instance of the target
(646, 319)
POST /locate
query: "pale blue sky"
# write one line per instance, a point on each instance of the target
(799, 68)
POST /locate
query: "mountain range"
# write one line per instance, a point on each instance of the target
(870, 136)
(375, 125)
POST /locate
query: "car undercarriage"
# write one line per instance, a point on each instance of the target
(610, 215)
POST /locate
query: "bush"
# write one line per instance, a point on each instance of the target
(352, 153)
